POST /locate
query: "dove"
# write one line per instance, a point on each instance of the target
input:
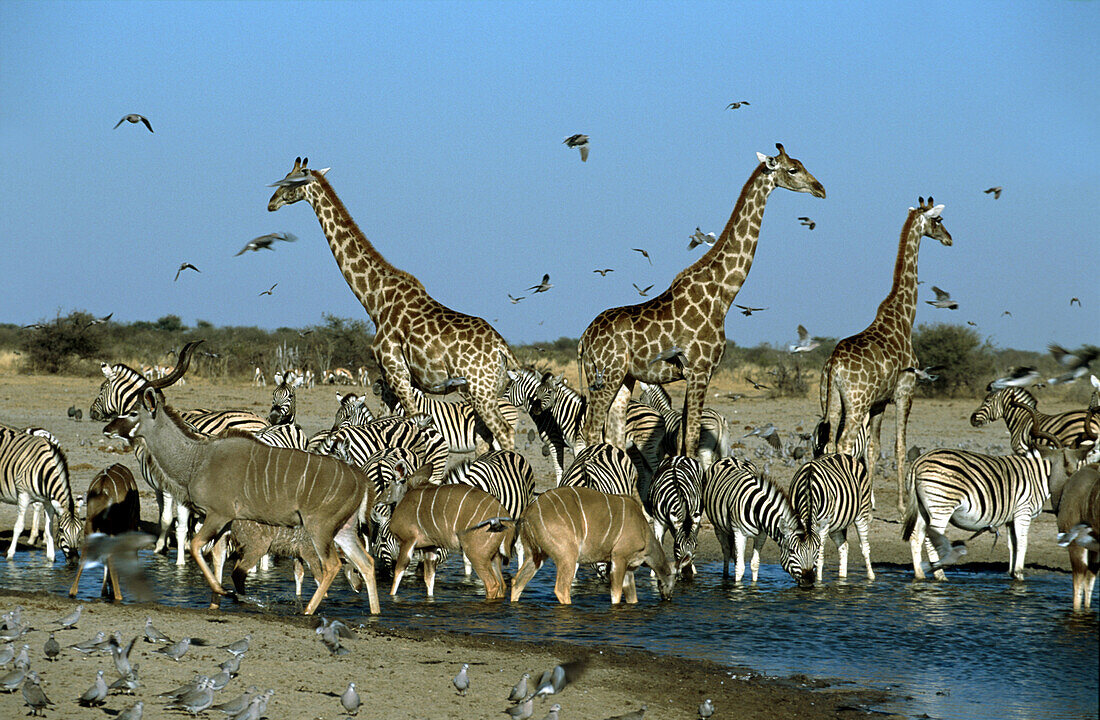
(183, 689)
(270, 290)
(542, 286)
(135, 119)
(523, 710)
(925, 374)
(995, 191)
(580, 142)
(96, 694)
(264, 242)
(674, 354)
(13, 680)
(153, 635)
(128, 682)
(554, 680)
(519, 690)
(219, 681)
(736, 105)
(176, 650)
(70, 620)
(185, 266)
(807, 222)
(943, 300)
(767, 433)
(1016, 377)
(89, 646)
(122, 551)
(747, 311)
(701, 238)
(33, 694)
(1080, 534)
(805, 343)
(642, 291)
(195, 701)
(554, 710)
(350, 699)
(23, 660)
(52, 648)
(232, 665)
(239, 703)
(515, 299)
(644, 254)
(120, 654)
(1076, 362)
(462, 680)
(239, 647)
(133, 712)
(947, 551)
(706, 709)
(7, 653)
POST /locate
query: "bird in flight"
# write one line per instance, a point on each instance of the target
(995, 191)
(134, 118)
(303, 334)
(542, 286)
(268, 291)
(756, 385)
(807, 222)
(805, 342)
(1076, 362)
(943, 300)
(746, 310)
(604, 272)
(1006, 312)
(699, 238)
(1075, 301)
(925, 374)
(97, 321)
(515, 299)
(767, 433)
(580, 142)
(642, 291)
(264, 242)
(736, 105)
(185, 266)
(1016, 377)
(644, 254)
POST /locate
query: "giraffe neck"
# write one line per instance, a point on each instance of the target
(367, 273)
(728, 262)
(900, 306)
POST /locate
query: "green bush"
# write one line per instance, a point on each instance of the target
(967, 361)
(55, 346)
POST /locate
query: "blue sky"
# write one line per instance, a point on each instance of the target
(443, 126)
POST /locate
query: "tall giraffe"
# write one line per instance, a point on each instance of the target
(418, 340)
(681, 334)
(868, 371)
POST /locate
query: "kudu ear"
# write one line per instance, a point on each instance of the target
(149, 400)
(421, 477)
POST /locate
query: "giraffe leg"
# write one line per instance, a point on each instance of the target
(874, 443)
(615, 429)
(695, 396)
(903, 400)
(488, 410)
(599, 402)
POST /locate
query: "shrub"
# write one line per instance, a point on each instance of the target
(967, 361)
(55, 346)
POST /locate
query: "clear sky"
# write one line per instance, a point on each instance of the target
(443, 125)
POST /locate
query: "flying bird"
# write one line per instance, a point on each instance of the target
(122, 552)
(1016, 377)
(185, 266)
(515, 299)
(264, 242)
(756, 385)
(134, 118)
(995, 191)
(554, 680)
(768, 433)
(925, 374)
(542, 286)
(746, 310)
(736, 105)
(580, 142)
(604, 272)
(268, 291)
(805, 342)
(642, 291)
(943, 300)
(1073, 301)
(1081, 534)
(1076, 362)
(807, 222)
(1006, 312)
(700, 238)
(644, 254)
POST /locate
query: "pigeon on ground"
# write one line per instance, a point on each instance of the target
(195, 701)
(462, 680)
(238, 704)
(23, 659)
(706, 709)
(176, 650)
(70, 620)
(580, 142)
(126, 683)
(6, 654)
(554, 710)
(350, 699)
(554, 680)
(219, 681)
(34, 696)
(120, 654)
(89, 646)
(183, 689)
(239, 647)
(519, 690)
(52, 648)
(153, 635)
(133, 712)
(523, 710)
(96, 694)
(135, 119)
(232, 665)
(11, 681)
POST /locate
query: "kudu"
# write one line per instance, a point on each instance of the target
(112, 508)
(450, 517)
(573, 525)
(236, 477)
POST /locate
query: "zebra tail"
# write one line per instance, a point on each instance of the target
(911, 504)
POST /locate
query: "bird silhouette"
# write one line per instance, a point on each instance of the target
(701, 238)
(1006, 312)
(604, 272)
(269, 290)
(185, 266)
(515, 299)
(736, 105)
(1017, 377)
(644, 254)
(263, 242)
(943, 300)
(807, 222)
(805, 342)
(756, 385)
(995, 191)
(134, 118)
(580, 142)
(746, 310)
(1075, 301)
(542, 286)
(674, 355)
(642, 291)
(925, 374)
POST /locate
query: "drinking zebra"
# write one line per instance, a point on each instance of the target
(457, 422)
(36, 509)
(605, 468)
(32, 469)
(674, 501)
(743, 503)
(504, 474)
(1019, 409)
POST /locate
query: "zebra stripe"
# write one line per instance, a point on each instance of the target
(977, 492)
(743, 503)
(504, 474)
(457, 422)
(355, 444)
(714, 432)
(285, 435)
(1068, 427)
(675, 503)
(352, 410)
(384, 469)
(605, 468)
(34, 469)
(556, 409)
(283, 403)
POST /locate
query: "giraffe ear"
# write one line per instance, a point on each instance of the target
(322, 172)
(769, 162)
(934, 212)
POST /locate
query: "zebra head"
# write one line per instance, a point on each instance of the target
(531, 391)
(353, 410)
(282, 400)
(685, 540)
(997, 402)
(799, 550)
(123, 387)
(70, 531)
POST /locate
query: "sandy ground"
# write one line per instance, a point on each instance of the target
(408, 676)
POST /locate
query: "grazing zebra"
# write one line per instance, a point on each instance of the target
(743, 503)
(34, 469)
(980, 492)
(605, 468)
(385, 468)
(504, 474)
(675, 502)
(456, 421)
(352, 410)
(1017, 406)
(356, 444)
(830, 493)
(714, 432)
(118, 397)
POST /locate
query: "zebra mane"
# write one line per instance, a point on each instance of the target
(63, 465)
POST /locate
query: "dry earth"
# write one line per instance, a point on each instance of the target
(406, 676)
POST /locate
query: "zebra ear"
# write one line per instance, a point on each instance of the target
(278, 378)
(108, 370)
(513, 375)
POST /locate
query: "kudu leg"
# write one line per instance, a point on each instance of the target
(617, 576)
(567, 570)
(330, 569)
(80, 571)
(110, 574)
(209, 530)
(489, 572)
(630, 590)
(401, 564)
(527, 570)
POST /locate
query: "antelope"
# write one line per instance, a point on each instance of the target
(573, 525)
(112, 508)
(450, 517)
(236, 477)
(1076, 502)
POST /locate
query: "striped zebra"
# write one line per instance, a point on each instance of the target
(979, 492)
(829, 494)
(37, 509)
(605, 468)
(1017, 406)
(117, 398)
(456, 421)
(34, 469)
(504, 474)
(743, 503)
(385, 468)
(714, 431)
(356, 444)
(352, 410)
(283, 401)
(675, 503)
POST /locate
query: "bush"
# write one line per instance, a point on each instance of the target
(56, 345)
(967, 362)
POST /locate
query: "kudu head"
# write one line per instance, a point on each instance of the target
(402, 483)
(1063, 461)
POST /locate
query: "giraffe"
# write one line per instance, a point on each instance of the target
(869, 370)
(418, 340)
(680, 334)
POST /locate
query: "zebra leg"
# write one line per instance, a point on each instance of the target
(739, 540)
(724, 542)
(916, 545)
(23, 500)
(840, 538)
(49, 528)
(265, 562)
(183, 519)
(863, 530)
(167, 515)
(36, 512)
(1017, 537)
(757, 545)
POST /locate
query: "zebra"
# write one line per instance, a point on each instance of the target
(36, 508)
(830, 493)
(356, 444)
(118, 398)
(384, 468)
(456, 421)
(981, 492)
(504, 474)
(1018, 406)
(674, 501)
(352, 410)
(714, 431)
(743, 503)
(283, 402)
(605, 468)
(34, 469)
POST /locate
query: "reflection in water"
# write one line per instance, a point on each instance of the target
(979, 646)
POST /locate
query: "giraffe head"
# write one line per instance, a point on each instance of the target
(292, 188)
(789, 173)
(930, 221)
